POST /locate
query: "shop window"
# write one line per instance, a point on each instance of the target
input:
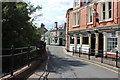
(56, 39)
(85, 40)
(78, 40)
(51, 40)
(71, 40)
(61, 33)
(112, 42)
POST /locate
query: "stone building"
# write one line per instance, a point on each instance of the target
(94, 24)
(56, 36)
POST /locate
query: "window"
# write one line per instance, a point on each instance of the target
(88, 1)
(76, 3)
(61, 33)
(56, 39)
(103, 10)
(78, 40)
(110, 9)
(112, 42)
(71, 40)
(83, 2)
(106, 10)
(76, 18)
(51, 40)
(90, 15)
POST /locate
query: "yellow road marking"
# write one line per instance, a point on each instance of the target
(98, 62)
(100, 66)
(104, 64)
(96, 65)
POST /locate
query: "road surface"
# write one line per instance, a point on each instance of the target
(60, 65)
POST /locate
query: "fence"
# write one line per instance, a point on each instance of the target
(15, 58)
(98, 55)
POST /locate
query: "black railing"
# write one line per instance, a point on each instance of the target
(100, 55)
(16, 58)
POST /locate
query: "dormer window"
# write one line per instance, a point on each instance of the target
(84, 2)
(76, 3)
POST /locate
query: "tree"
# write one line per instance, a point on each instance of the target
(17, 29)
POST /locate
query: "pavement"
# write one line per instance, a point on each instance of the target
(61, 64)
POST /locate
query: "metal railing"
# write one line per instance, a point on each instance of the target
(16, 58)
(112, 59)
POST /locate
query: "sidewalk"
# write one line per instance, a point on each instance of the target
(106, 62)
(38, 74)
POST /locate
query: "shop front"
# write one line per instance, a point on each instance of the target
(99, 41)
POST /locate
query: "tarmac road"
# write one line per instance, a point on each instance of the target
(61, 65)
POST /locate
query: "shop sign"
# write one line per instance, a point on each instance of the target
(109, 29)
(106, 30)
(109, 35)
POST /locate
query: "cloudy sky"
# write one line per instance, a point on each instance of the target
(52, 10)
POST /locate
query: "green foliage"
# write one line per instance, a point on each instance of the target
(17, 28)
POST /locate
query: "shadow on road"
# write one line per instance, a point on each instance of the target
(58, 64)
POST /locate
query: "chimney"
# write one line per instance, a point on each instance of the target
(56, 26)
(42, 25)
(65, 25)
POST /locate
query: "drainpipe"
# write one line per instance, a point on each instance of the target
(67, 29)
(94, 14)
(118, 12)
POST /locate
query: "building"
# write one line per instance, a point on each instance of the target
(56, 36)
(47, 37)
(95, 24)
(43, 30)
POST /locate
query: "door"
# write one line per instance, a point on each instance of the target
(60, 41)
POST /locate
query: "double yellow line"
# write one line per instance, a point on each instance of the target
(97, 64)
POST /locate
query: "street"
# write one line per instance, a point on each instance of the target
(60, 65)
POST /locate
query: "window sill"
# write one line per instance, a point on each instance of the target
(89, 23)
(107, 20)
(76, 26)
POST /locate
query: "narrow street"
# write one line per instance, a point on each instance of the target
(60, 65)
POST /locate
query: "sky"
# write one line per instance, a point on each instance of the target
(52, 10)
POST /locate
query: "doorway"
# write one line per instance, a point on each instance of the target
(93, 38)
(101, 42)
(60, 41)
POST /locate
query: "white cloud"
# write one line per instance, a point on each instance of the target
(53, 10)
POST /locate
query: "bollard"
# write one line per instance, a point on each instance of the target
(102, 57)
(12, 63)
(79, 51)
(73, 51)
(116, 58)
(89, 53)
